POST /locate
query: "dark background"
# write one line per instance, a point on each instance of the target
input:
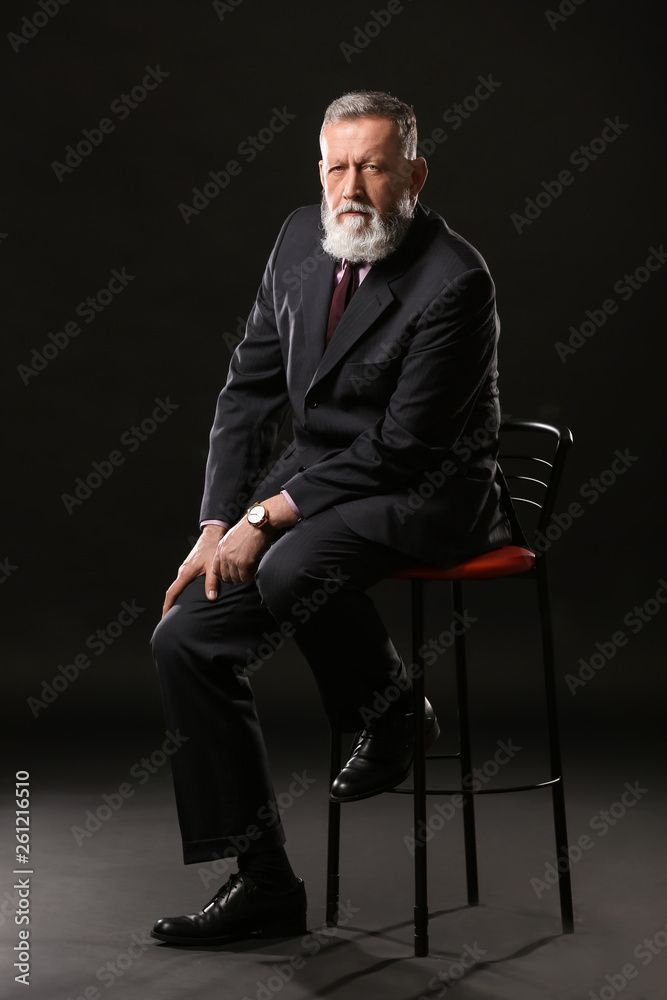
(168, 335)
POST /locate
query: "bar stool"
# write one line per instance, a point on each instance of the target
(533, 481)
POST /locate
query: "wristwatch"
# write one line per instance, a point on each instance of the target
(257, 515)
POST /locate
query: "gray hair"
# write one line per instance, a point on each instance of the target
(375, 104)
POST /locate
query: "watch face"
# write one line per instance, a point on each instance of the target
(257, 514)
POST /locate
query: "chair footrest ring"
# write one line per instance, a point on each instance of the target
(480, 791)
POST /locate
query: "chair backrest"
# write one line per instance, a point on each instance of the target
(532, 456)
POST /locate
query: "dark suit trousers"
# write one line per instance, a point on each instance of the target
(310, 585)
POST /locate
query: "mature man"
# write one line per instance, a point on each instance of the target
(375, 325)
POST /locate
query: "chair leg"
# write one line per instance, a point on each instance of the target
(469, 836)
(558, 795)
(333, 837)
(419, 773)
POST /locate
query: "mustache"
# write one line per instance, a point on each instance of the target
(353, 206)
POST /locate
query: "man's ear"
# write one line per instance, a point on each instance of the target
(419, 174)
(322, 172)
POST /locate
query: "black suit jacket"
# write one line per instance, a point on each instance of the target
(395, 423)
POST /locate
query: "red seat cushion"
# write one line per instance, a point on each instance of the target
(508, 561)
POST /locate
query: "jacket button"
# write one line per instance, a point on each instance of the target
(313, 405)
(302, 468)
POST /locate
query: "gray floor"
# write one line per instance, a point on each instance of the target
(93, 902)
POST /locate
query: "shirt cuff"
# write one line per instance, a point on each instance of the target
(294, 507)
(220, 524)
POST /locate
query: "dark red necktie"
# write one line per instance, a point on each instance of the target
(343, 292)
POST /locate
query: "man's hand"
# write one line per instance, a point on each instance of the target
(240, 551)
(198, 563)
(239, 554)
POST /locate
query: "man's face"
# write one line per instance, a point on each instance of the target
(369, 189)
(362, 161)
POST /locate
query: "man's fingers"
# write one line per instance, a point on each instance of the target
(171, 595)
(185, 576)
(213, 576)
(211, 585)
(248, 572)
(234, 562)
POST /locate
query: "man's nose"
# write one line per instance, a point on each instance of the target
(354, 186)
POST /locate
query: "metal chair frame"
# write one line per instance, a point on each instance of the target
(543, 483)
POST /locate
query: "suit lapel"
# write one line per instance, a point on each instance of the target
(368, 302)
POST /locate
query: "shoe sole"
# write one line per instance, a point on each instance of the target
(430, 736)
(279, 929)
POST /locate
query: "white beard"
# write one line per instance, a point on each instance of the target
(368, 239)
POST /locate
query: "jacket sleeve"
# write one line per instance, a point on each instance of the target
(249, 411)
(450, 355)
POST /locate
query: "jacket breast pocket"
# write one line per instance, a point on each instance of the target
(371, 380)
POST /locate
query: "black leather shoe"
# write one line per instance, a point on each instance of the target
(240, 909)
(382, 755)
